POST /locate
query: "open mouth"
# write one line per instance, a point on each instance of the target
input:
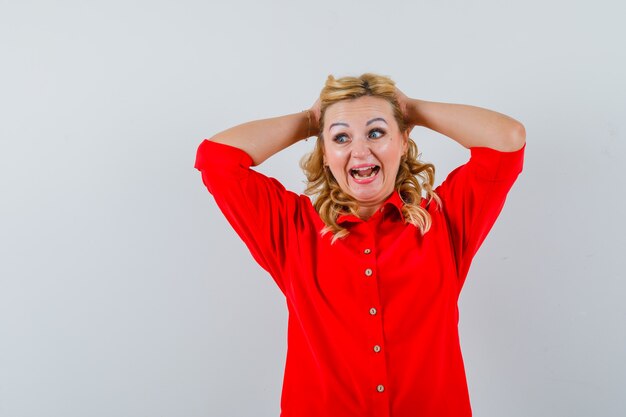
(365, 172)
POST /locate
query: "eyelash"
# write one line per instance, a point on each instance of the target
(382, 132)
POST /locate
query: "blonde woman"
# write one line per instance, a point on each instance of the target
(372, 268)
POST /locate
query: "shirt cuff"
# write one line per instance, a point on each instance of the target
(212, 156)
(494, 165)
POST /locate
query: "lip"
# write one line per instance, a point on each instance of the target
(361, 166)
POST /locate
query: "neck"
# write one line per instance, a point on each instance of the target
(365, 212)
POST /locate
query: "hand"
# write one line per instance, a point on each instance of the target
(315, 116)
(404, 103)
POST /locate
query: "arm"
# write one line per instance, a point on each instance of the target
(259, 208)
(474, 194)
(470, 126)
(263, 138)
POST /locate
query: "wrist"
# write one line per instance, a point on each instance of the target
(308, 123)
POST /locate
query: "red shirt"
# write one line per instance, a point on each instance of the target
(373, 319)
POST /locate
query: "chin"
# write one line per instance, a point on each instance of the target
(367, 194)
(368, 197)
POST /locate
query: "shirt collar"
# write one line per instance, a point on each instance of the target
(394, 201)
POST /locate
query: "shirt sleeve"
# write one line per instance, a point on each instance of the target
(473, 196)
(258, 207)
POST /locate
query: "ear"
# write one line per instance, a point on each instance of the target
(405, 141)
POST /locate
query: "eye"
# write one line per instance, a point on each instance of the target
(376, 133)
(340, 138)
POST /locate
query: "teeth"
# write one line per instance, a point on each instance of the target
(357, 171)
(364, 168)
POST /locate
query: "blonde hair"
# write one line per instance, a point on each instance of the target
(413, 176)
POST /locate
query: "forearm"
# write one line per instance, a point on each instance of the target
(263, 138)
(470, 126)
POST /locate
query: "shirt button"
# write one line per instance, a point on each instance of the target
(376, 348)
(380, 388)
(373, 311)
(368, 272)
(367, 251)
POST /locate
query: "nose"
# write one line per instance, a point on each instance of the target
(360, 148)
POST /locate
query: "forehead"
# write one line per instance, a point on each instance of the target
(364, 107)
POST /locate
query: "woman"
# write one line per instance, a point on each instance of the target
(373, 269)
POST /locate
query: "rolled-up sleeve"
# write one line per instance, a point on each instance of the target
(258, 207)
(473, 196)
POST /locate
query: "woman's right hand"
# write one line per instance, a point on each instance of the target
(315, 117)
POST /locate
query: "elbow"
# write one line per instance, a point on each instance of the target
(510, 137)
(513, 139)
(517, 137)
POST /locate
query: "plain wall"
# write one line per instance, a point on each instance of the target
(123, 290)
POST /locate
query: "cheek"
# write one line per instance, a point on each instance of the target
(391, 152)
(336, 158)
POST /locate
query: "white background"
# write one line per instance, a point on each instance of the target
(123, 290)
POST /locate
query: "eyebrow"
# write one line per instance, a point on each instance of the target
(377, 119)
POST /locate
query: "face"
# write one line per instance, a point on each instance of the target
(362, 147)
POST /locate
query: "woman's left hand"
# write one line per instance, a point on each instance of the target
(404, 103)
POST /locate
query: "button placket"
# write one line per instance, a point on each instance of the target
(368, 271)
(379, 369)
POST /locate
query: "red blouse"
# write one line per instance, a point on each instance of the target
(373, 319)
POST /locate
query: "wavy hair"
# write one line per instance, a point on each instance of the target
(413, 177)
